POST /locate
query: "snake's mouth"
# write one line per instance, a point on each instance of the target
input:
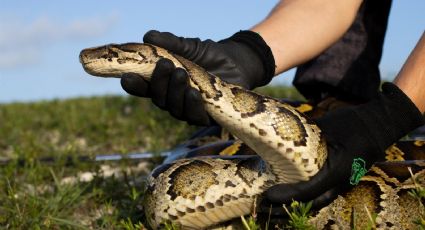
(87, 63)
(83, 58)
(99, 61)
(87, 58)
(92, 54)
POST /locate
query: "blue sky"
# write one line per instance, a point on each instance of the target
(40, 42)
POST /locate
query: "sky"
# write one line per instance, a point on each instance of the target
(40, 40)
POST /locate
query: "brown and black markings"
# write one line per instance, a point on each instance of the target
(246, 102)
(289, 127)
(191, 180)
(134, 48)
(205, 81)
(110, 55)
(246, 166)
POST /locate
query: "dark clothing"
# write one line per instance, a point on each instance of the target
(349, 69)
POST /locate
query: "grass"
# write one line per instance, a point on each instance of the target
(251, 222)
(34, 196)
(299, 215)
(418, 193)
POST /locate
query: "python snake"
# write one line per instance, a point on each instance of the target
(382, 194)
(201, 192)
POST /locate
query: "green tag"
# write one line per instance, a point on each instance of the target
(358, 170)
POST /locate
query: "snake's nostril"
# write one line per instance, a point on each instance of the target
(83, 56)
(80, 57)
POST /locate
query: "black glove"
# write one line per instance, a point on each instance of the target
(363, 131)
(243, 59)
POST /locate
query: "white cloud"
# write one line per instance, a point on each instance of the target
(10, 59)
(22, 42)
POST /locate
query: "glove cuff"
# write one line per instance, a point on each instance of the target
(256, 43)
(390, 116)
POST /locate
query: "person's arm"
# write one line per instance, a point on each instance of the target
(295, 31)
(411, 78)
(298, 30)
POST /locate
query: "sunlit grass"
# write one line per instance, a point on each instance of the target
(34, 196)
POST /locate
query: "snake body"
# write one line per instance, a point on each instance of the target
(197, 193)
(382, 199)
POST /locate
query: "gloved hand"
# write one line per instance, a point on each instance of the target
(363, 131)
(243, 59)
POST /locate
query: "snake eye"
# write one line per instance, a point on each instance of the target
(108, 54)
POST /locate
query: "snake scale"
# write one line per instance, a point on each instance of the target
(201, 192)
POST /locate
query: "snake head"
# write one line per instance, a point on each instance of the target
(113, 60)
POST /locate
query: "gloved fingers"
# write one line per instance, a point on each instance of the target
(328, 177)
(135, 85)
(177, 86)
(285, 193)
(194, 110)
(328, 196)
(186, 47)
(159, 82)
(276, 209)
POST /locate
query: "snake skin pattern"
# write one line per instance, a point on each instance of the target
(381, 199)
(200, 192)
(290, 143)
